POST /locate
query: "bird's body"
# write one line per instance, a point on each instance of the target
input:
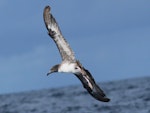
(67, 67)
(69, 63)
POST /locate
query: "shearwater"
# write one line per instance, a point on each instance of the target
(69, 63)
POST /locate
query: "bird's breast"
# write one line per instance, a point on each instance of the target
(67, 68)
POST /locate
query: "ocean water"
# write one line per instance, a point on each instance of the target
(127, 96)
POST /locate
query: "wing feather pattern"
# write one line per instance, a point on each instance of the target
(67, 55)
(55, 33)
(89, 83)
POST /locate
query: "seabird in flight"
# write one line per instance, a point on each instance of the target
(69, 63)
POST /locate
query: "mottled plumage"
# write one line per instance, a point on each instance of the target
(69, 63)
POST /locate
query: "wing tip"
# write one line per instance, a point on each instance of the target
(100, 97)
(48, 8)
(98, 94)
(46, 16)
(104, 99)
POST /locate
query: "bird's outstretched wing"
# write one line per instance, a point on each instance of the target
(55, 33)
(89, 83)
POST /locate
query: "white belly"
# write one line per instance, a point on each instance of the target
(67, 67)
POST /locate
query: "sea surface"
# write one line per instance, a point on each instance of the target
(127, 96)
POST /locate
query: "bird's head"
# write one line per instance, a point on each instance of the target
(53, 69)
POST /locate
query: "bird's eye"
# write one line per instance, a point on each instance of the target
(76, 67)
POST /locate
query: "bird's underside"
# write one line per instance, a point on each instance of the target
(68, 58)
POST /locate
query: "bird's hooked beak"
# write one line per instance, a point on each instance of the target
(49, 73)
(53, 69)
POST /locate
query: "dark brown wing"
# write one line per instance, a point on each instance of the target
(91, 86)
(55, 33)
